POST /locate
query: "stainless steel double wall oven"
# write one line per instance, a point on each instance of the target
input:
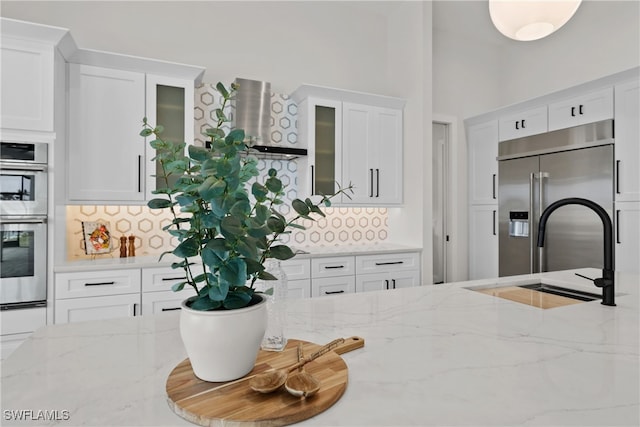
(23, 225)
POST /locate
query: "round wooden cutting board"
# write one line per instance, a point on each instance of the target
(233, 403)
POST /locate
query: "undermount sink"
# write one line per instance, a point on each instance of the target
(539, 295)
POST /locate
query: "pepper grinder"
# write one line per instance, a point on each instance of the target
(123, 247)
(132, 245)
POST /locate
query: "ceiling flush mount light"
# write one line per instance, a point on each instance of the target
(526, 20)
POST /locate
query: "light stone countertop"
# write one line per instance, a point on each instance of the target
(148, 261)
(434, 356)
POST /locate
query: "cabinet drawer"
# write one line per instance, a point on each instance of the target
(333, 286)
(588, 108)
(164, 302)
(97, 283)
(333, 266)
(162, 278)
(99, 308)
(387, 262)
(297, 269)
(525, 123)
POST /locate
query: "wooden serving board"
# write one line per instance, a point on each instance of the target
(234, 403)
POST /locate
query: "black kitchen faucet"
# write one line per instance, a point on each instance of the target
(606, 282)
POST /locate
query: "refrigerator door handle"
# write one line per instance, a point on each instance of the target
(541, 176)
(532, 247)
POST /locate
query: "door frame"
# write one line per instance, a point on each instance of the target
(453, 228)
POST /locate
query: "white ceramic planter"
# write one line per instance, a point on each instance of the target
(223, 345)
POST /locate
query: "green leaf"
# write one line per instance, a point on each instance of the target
(259, 191)
(281, 252)
(218, 292)
(146, 132)
(276, 225)
(178, 286)
(265, 275)
(234, 272)
(253, 266)
(198, 153)
(258, 232)
(223, 90)
(273, 184)
(241, 208)
(205, 304)
(262, 213)
(159, 203)
(300, 207)
(247, 249)
(272, 172)
(186, 249)
(231, 227)
(236, 300)
(236, 135)
(219, 246)
(211, 258)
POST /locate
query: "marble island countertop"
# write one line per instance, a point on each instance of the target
(149, 261)
(434, 356)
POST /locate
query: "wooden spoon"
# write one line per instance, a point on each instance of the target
(272, 380)
(301, 383)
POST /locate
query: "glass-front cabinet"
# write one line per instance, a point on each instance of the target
(170, 103)
(320, 126)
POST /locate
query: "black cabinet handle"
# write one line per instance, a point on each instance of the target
(580, 109)
(100, 283)
(166, 279)
(135, 305)
(394, 283)
(390, 263)
(139, 174)
(333, 292)
(517, 124)
(618, 226)
(573, 111)
(617, 176)
(377, 182)
(494, 222)
(493, 190)
(371, 182)
(171, 309)
(386, 284)
(522, 123)
(312, 181)
(333, 266)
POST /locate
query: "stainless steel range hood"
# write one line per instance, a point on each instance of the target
(252, 113)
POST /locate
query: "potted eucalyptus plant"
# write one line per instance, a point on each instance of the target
(227, 222)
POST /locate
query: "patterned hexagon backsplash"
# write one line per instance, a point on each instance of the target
(342, 226)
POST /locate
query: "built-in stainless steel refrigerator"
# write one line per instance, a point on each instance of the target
(535, 171)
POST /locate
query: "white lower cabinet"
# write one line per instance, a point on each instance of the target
(333, 286)
(96, 295)
(387, 271)
(627, 237)
(97, 308)
(157, 296)
(163, 301)
(9, 343)
(483, 241)
(298, 271)
(17, 325)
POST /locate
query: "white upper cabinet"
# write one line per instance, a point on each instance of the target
(351, 138)
(372, 154)
(525, 123)
(108, 160)
(627, 141)
(28, 57)
(587, 108)
(105, 151)
(482, 140)
(170, 103)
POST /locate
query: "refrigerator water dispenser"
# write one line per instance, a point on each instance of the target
(519, 224)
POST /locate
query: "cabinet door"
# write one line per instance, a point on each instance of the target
(27, 85)
(482, 140)
(588, 108)
(300, 288)
(97, 283)
(98, 308)
(333, 286)
(372, 154)
(483, 241)
(371, 282)
(386, 147)
(524, 123)
(405, 279)
(628, 237)
(385, 263)
(105, 150)
(170, 103)
(320, 128)
(333, 266)
(358, 167)
(627, 141)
